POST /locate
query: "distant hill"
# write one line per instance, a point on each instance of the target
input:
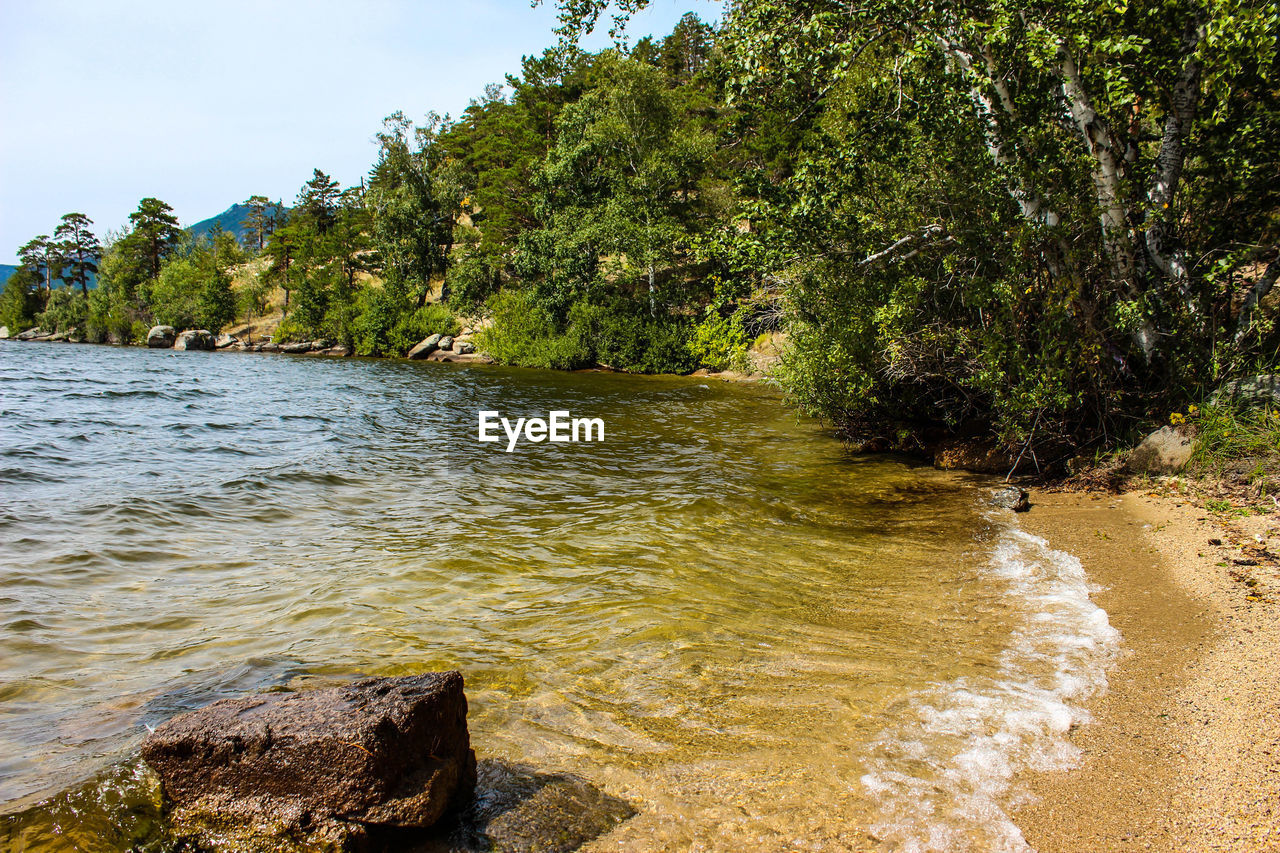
(7, 270)
(232, 220)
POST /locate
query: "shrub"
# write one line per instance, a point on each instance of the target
(524, 333)
(66, 309)
(410, 328)
(618, 334)
(720, 342)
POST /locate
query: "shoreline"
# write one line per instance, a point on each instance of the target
(1183, 751)
(308, 349)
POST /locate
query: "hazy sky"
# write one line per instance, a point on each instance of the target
(104, 102)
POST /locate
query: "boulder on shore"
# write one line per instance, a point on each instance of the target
(297, 347)
(224, 340)
(463, 347)
(1011, 497)
(1165, 451)
(336, 767)
(32, 334)
(161, 337)
(4, 333)
(445, 342)
(425, 347)
(194, 339)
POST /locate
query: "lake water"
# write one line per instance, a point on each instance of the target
(715, 614)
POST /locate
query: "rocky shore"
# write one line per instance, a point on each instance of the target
(442, 348)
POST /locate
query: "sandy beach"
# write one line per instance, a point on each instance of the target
(1183, 752)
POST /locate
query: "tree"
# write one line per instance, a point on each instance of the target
(414, 199)
(154, 234)
(620, 184)
(194, 287)
(687, 50)
(21, 300)
(1036, 219)
(80, 250)
(43, 257)
(259, 222)
(318, 201)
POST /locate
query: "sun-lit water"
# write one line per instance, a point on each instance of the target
(715, 614)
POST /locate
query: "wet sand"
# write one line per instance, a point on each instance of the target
(1183, 753)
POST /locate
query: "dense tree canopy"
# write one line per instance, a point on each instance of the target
(1045, 223)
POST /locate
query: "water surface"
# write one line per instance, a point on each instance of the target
(715, 614)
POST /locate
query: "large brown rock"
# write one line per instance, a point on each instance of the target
(336, 766)
(1165, 451)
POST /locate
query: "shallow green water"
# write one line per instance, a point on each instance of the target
(715, 613)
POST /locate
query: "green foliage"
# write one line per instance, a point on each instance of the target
(1227, 433)
(473, 279)
(65, 309)
(720, 342)
(21, 300)
(523, 332)
(387, 323)
(619, 335)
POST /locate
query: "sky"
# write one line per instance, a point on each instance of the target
(105, 102)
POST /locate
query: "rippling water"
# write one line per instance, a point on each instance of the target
(714, 614)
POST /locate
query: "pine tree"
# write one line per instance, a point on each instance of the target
(80, 250)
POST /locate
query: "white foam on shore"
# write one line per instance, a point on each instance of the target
(942, 775)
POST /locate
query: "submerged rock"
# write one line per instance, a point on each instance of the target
(333, 767)
(425, 347)
(1011, 497)
(161, 337)
(519, 810)
(194, 339)
(1165, 451)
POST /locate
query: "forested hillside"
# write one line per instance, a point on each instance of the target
(1041, 223)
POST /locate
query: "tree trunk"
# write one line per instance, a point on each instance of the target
(653, 301)
(1256, 294)
(1159, 236)
(1106, 170)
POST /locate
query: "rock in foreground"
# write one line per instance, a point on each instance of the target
(336, 767)
(1165, 451)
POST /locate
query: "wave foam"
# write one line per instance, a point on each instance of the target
(941, 777)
